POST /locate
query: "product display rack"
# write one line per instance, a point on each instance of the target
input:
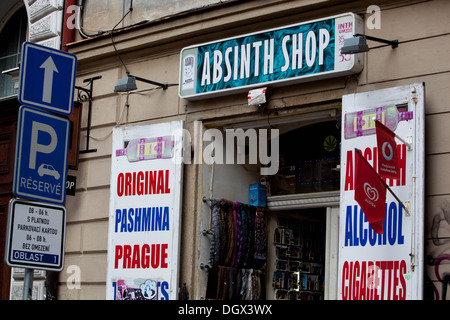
(300, 253)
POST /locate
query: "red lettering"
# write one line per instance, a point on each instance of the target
(164, 247)
(118, 256)
(126, 256)
(349, 172)
(155, 256)
(371, 155)
(134, 183)
(136, 257)
(401, 153)
(143, 183)
(374, 280)
(160, 188)
(402, 293)
(362, 284)
(145, 257)
(127, 184)
(140, 183)
(141, 257)
(120, 184)
(345, 274)
(355, 282)
(152, 182)
(395, 281)
(166, 183)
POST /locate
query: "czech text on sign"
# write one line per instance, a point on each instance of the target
(379, 257)
(35, 235)
(40, 171)
(143, 239)
(282, 56)
(47, 78)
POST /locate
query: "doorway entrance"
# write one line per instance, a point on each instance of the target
(303, 225)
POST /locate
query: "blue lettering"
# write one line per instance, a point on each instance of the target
(164, 289)
(158, 216)
(130, 219)
(123, 227)
(118, 216)
(146, 219)
(355, 235)
(142, 219)
(348, 227)
(359, 233)
(153, 219)
(362, 232)
(137, 219)
(401, 237)
(165, 224)
(392, 230)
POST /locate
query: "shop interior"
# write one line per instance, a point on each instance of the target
(302, 205)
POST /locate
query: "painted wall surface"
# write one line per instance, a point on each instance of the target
(105, 14)
(153, 52)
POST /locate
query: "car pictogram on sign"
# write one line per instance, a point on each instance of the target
(49, 170)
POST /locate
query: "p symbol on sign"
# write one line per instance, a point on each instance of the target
(39, 129)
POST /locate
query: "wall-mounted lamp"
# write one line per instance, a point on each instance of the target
(358, 44)
(129, 83)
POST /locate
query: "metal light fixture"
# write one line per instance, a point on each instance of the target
(358, 44)
(129, 83)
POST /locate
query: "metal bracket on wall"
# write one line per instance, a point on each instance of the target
(85, 94)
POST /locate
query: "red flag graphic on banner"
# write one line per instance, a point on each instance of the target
(370, 193)
(387, 152)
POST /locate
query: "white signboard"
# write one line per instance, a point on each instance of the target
(387, 265)
(144, 219)
(35, 236)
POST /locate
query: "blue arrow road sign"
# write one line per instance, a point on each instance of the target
(47, 78)
(40, 170)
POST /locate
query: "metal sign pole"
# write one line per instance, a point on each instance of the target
(28, 284)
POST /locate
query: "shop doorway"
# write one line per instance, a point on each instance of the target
(303, 224)
(296, 253)
(302, 200)
(301, 263)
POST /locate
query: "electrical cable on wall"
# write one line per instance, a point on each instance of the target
(112, 38)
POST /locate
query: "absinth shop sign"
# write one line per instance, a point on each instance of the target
(292, 54)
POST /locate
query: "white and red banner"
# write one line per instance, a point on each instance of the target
(145, 212)
(380, 243)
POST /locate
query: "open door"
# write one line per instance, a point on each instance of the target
(387, 265)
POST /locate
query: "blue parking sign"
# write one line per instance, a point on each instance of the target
(40, 170)
(47, 78)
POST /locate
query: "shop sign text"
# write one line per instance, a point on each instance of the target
(282, 56)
